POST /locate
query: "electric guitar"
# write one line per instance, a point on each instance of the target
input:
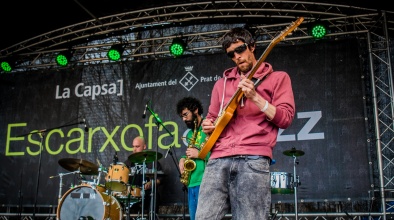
(228, 111)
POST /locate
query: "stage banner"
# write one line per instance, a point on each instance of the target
(51, 118)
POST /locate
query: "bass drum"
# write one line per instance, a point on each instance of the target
(85, 202)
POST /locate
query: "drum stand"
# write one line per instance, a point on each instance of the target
(96, 182)
(295, 184)
(61, 182)
(294, 153)
(143, 188)
(128, 203)
(152, 214)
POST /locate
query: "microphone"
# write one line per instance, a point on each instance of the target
(86, 127)
(146, 106)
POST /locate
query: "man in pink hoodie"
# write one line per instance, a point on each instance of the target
(237, 175)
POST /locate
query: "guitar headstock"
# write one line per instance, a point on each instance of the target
(288, 30)
(276, 40)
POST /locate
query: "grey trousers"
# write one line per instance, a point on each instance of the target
(239, 185)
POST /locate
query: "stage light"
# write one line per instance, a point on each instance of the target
(7, 65)
(177, 47)
(115, 52)
(318, 29)
(63, 58)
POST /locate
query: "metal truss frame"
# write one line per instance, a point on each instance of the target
(381, 79)
(315, 216)
(287, 216)
(148, 33)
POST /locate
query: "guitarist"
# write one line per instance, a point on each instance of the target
(237, 175)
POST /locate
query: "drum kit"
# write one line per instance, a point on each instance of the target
(287, 183)
(96, 200)
(283, 182)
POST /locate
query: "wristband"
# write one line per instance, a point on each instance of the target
(265, 106)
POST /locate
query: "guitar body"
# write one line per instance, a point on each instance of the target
(221, 123)
(228, 112)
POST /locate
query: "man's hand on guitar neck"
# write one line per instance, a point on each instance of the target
(207, 126)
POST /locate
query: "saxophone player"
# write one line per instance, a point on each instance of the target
(191, 167)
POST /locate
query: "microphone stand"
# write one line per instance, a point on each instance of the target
(184, 187)
(154, 187)
(20, 198)
(41, 133)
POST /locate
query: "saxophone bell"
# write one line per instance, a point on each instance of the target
(189, 164)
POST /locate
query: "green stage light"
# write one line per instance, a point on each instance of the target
(177, 47)
(63, 58)
(6, 66)
(115, 52)
(318, 29)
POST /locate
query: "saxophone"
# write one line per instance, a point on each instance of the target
(189, 164)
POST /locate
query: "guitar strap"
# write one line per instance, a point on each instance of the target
(258, 81)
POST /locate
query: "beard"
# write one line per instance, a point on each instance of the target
(245, 67)
(190, 124)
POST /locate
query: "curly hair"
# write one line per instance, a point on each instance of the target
(190, 103)
(236, 34)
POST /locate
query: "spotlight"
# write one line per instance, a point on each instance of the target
(318, 29)
(7, 65)
(178, 46)
(115, 52)
(63, 58)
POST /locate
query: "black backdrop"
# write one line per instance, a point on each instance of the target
(328, 127)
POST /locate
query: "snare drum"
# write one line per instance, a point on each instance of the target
(87, 183)
(99, 187)
(132, 195)
(117, 177)
(281, 183)
(135, 191)
(88, 203)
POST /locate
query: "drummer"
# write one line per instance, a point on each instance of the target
(136, 177)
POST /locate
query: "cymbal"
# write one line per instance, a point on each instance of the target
(293, 152)
(84, 166)
(140, 157)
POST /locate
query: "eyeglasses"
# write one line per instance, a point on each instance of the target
(184, 115)
(238, 50)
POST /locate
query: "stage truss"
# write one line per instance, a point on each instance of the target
(148, 33)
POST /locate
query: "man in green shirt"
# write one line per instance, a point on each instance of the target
(191, 167)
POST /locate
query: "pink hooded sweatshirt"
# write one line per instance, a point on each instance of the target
(250, 132)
